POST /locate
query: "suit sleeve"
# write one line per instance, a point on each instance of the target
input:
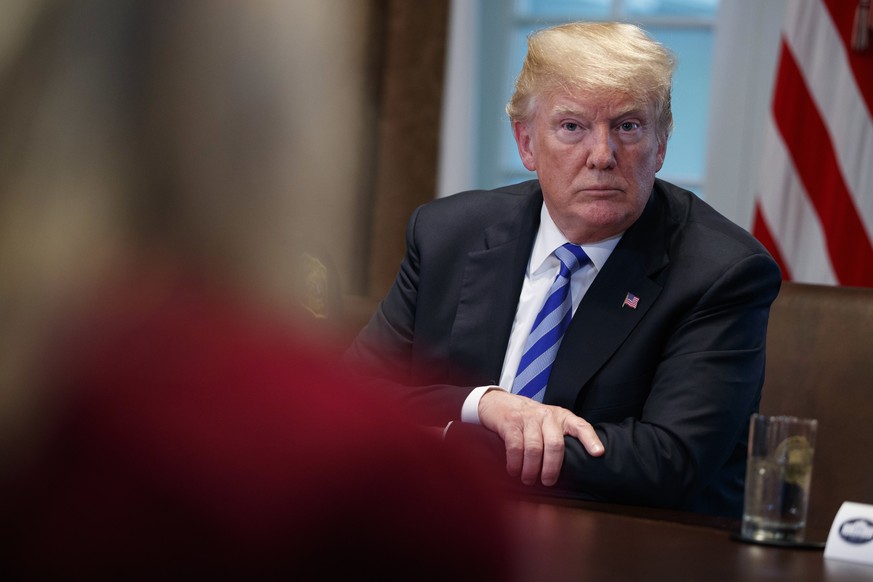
(703, 391)
(384, 352)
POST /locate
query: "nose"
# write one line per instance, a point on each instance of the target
(601, 151)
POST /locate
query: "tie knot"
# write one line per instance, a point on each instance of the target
(572, 257)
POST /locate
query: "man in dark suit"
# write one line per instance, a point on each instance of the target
(648, 397)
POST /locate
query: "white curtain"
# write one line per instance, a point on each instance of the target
(744, 64)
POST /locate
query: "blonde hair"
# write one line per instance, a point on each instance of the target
(602, 57)
(133, 133)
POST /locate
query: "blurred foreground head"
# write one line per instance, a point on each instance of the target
(148, 141)
(164, 126)
(159, 415)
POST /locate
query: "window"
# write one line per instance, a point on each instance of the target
(684, 26)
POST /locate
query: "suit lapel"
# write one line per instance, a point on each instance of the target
(490, 289)
(602, 322)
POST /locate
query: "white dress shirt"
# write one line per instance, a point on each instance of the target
(542, 268)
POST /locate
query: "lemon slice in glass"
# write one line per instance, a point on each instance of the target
(795, 453)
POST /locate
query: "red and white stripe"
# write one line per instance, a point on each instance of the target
(815, 205)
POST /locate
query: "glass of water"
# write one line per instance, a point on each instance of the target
(778, 475)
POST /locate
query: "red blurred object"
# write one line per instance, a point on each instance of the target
(194, 436)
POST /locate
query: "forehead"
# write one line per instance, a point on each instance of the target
(594, 105)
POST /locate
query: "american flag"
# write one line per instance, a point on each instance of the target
(815, 204)
(631, 301)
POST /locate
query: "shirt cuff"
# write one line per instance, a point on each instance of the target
(470, 409)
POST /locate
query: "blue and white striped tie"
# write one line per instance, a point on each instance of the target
(548, 327)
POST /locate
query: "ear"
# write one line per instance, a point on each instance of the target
(524, 139)
(661, 153)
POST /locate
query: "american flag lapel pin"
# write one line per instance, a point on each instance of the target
(631, 301)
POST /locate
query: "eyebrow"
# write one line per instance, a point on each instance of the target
(561, 110)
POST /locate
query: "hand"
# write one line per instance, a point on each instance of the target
(534, 434)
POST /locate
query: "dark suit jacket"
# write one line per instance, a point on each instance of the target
(668, 385)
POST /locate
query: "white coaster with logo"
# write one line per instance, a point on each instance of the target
(851, 535)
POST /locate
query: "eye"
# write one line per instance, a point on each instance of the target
(629, 126)
(570, 126)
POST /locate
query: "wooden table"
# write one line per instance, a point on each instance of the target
(573, 540)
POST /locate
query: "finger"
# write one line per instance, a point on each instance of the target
(553, 451)
(498, 411)
(586, 434)
(533, 449)
(513, 439)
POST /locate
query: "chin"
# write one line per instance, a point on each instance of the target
(596, 224)
(605, 213)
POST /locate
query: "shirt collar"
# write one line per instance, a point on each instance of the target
(549, 238)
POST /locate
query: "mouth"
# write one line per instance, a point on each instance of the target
(601, 190)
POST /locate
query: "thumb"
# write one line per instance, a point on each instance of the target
(586, 434)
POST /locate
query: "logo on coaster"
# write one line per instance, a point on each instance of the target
(857, 531)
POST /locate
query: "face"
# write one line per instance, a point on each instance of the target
(596, 158)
